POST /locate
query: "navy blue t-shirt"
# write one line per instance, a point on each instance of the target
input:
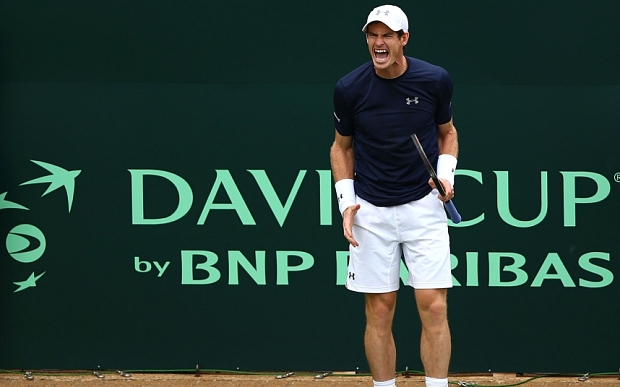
(381, 114)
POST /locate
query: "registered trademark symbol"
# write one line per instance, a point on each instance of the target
(617, 177)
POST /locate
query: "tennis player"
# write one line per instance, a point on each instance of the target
(388, 203)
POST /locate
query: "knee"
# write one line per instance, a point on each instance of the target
(380, 309)
(438, 308)
(434, 313)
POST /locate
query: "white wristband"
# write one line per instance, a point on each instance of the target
(446, 165)
(345, 192)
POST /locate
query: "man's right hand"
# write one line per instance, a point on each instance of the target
(347, 223)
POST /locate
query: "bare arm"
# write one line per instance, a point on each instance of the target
(341, 156)
(343, 161)
(448, 139)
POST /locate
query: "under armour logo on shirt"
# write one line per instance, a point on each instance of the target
(414, 100)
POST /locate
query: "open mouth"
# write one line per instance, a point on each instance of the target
(381, 55)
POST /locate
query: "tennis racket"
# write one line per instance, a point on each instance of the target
(450, 208)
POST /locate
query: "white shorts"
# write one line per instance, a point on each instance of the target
(417, 231)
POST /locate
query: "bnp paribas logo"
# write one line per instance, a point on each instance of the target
(26, 243)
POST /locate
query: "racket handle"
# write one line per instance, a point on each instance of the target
(454, 214)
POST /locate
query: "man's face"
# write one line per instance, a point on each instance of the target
(385, 47)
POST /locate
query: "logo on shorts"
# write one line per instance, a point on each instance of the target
(414, 100)
(352, 276)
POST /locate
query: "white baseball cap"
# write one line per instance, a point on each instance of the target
(390, 15)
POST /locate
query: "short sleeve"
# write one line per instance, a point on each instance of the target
(343, 121)
(444, 102)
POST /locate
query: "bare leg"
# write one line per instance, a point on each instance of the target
(378, 340)
(435, 345)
